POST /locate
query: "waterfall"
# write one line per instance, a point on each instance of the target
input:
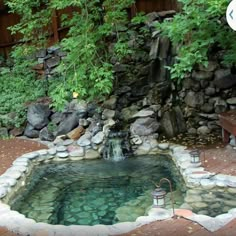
(117, 146)
(114, 150)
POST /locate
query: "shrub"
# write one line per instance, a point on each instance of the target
(197, 30)
(15, 92)
(93, 29)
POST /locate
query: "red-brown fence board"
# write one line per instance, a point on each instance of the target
(58, 32)
(155, 5)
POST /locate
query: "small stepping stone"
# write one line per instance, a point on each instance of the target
(62, 154)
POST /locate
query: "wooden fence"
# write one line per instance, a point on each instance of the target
(7, 41)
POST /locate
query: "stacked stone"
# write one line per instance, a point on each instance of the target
(48, 59)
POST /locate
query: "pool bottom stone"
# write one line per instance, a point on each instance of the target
(94, 192)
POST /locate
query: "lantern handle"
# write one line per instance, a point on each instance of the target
(171, 191)
(157, 186)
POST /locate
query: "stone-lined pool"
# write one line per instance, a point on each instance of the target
(95, 192)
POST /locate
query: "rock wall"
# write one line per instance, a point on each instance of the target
(145, 101)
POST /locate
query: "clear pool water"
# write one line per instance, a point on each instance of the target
(93, 192)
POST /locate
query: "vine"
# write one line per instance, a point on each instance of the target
(93, 30)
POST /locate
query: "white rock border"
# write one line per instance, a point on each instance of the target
(15, 177)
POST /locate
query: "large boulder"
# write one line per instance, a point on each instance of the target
(154, 48)
(173, 122)
(164, 47)
(144, 126)
(76, 133)
(46, 135)
(143, 113)
(224, 79)
(37, 115)
(68, 124)
(158, 71)
(30, 132)
(159, 93)
(80, 107)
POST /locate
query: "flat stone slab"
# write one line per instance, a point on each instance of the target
(61, 148)
(30, 155)
(210, 223)
(200, 175)
(183, 213)
(43, 152)
(62, 154)
(143, 113)
(160, 213)
(13, 173)
(77, 152)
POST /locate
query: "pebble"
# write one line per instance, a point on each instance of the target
(136, 140)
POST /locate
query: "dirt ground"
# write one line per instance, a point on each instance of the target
(10, 149)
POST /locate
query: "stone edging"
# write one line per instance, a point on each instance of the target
(193, 175)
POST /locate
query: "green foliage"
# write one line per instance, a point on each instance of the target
(139, 18)
(15, 92)
(93, 31)
(199, 28)
(18, 86)
(52, 127)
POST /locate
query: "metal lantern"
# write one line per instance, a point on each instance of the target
(195, 156)
(159, 197)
